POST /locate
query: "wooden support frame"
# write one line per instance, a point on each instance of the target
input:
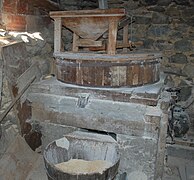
(112, 36)
(57, 34)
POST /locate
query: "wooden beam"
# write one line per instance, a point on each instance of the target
(125, 37)
(75, 47)
(57, 34)
(112, 36)
(88, 43)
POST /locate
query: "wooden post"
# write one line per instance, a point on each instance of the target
(57, 34)
(112, 36)
(75, 47)
(125, 37)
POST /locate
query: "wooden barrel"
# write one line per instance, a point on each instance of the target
(102, 70)
(65, 149)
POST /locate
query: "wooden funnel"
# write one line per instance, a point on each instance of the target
(89, 24)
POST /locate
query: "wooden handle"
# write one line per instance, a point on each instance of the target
(3, 115)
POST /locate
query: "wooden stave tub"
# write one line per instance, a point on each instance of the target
(60, 154)
(102, 70)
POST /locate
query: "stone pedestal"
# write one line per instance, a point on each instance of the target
(135, 117)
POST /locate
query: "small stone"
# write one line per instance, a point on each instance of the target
(176, 35)
(173, 11)
(164, 2)
(183, 45)
(157, 9)
(148, 2)
(178, 58)
(182, 2)
(188, 70)
(185, 91)
(142, 20)
(158, 31)
(190, 21)
(148, 43)
(159, 18)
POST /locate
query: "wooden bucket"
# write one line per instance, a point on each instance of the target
(85, 146)
(103, 70)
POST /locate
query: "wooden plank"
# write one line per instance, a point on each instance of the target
(141, 73)
(112, 36)
(106, 57)
(119, 45)
(75, 47)
(57, 34)
(99, 77)
(88, 43)
(107, 76)
(1, 83)
(124, 22)
(79, 73)
(125, 37)
(129, 76)
(89, 13)
(145, 74)
(135, 70)
(122, 75)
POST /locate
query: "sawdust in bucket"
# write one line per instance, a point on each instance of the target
(79, 166)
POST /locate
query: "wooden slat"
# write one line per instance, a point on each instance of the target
(89, 13)
(122, 75)
(1, 83)
(107, 76)
(129, 76)
(125, 37)
(112, 36)
(141, 70)
(88, 43)
(75, 47)
(79, 73)
(99, 76)
(57, 35)
(135, 74)
(106, 57)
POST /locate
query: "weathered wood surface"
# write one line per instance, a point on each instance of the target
(90, 25)
(18, 72)
(57, 35)
(144, 69)
(109, 58)
(82, 145)
(148, 95)
(88, 13)
(1, 83)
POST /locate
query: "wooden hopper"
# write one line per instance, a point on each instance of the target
(88, 25)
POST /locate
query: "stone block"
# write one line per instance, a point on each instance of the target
(178, 58)
(138, 154)
(51, 132)
(183, 45)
